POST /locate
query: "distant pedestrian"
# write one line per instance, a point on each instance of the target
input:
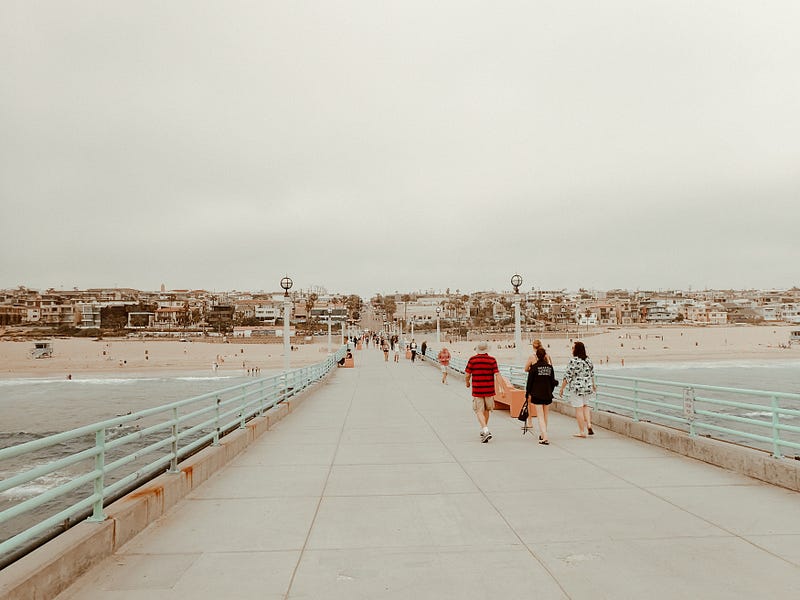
(539, 391)
(533, 358)
(444, 362)
(413, 348)
(385, 348)
(397, 346)
(483, 373)
(423, 348)
(579, 376)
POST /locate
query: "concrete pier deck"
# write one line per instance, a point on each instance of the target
(377, 486)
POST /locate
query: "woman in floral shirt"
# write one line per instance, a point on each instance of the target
(579, 376)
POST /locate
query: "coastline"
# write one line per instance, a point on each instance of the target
(616, 348)
(650, 346)
(81, 358)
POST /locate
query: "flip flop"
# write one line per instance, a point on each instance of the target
(544, 443)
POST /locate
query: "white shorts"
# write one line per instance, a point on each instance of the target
(444, 368)
(576, 401)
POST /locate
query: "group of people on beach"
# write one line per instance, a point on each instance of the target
(483, 376)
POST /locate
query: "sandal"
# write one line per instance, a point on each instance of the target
(544, 442)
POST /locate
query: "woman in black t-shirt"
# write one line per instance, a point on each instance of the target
(539, 390)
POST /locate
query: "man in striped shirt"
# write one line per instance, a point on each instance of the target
(483, 372)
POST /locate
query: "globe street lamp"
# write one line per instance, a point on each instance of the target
(516, 281)
(330, 310)
(413, 320)
(286, 284)
(438, 337)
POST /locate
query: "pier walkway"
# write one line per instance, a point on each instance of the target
(377, 486)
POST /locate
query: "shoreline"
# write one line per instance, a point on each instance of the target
(613, 349)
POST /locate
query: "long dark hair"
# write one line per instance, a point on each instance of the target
(579, 350)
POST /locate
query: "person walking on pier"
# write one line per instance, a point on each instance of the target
(413, 348)
(483, 374)
(533, 358)
(579, 376)
(539, 391)
(444, 362)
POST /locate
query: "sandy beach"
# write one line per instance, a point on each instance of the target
(634, 346)
(653, 345)
(81, 357)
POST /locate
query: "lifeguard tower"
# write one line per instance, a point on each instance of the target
(42, 350)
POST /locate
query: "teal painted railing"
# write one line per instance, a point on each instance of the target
(768, 421)
(122, 453)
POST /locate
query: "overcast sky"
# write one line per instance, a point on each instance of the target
(372, 146)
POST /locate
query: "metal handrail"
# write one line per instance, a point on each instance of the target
(693, 408)
(180, 429)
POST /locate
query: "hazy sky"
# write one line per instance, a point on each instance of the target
(372, 146)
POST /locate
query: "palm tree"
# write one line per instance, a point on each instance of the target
(311, 300)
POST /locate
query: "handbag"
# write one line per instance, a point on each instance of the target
(523, 413)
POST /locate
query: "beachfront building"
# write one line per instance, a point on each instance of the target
(267, 313)
(88, 315)
(220, 317)
(53, 310)
(11, 314)
(659, 313)
(790, 312)
(717, 315)
(261, 331)
(701, 313)
(769, 312)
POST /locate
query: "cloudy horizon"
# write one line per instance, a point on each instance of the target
(371, 147)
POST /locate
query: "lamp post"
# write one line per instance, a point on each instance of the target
(330, 310)
(516, 281)
(413, 320)
(286, 284)
(438, 335)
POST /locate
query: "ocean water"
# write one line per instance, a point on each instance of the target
(33, 408)
(772, 376)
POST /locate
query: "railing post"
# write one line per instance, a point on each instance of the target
(776, 432)
(261, 394)
(242, 410)
(173, 463)
(216, 424)
(688, 410)
(636, 400)
(99, 482)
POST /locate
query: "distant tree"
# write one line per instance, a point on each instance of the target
(389, 306)
(353, 304)
(249, 322)
(311, 300)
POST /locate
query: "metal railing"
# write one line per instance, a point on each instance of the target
(99, 463)
(768, 421)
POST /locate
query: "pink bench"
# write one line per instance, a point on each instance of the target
(513, 400)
